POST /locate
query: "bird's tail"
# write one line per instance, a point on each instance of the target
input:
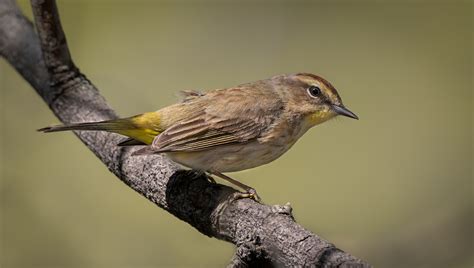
(143, 128)
(109, 125)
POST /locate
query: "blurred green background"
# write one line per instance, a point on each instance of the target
(394, 188)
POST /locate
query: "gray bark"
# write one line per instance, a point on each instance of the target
(264, 235)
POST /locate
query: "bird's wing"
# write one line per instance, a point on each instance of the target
(228, 116)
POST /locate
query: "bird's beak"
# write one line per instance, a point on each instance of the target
(341, 110)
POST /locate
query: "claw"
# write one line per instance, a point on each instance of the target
(250, 193)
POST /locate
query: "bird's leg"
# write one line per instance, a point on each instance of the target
(249, 191)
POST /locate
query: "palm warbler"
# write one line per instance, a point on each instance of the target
(230, 129)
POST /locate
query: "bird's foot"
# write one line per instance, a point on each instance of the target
(249, 193)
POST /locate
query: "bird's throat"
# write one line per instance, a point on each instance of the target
(319, 117)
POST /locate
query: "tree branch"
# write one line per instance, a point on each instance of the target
(264, 235)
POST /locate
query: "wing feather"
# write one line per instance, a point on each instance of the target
(221, 117)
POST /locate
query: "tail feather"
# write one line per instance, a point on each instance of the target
(140, 128)
(110, 125)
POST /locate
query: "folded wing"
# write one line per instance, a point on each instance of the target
(220, 117)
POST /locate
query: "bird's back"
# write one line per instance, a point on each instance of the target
(243, 110)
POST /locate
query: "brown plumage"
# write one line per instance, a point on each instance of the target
(230, 129)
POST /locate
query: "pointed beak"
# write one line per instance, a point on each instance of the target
(341, 110)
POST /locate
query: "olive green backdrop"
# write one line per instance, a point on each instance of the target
(394, 188)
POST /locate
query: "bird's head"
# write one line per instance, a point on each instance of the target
(312, 97)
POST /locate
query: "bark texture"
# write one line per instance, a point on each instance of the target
(264, 235)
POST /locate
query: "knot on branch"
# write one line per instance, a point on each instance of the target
(285, 209)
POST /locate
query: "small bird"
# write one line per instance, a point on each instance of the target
(231, 129)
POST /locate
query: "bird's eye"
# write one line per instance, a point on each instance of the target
(314, 91)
